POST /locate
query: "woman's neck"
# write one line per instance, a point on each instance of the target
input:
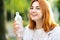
(39, 24)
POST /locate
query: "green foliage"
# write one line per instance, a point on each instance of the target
(22, 6)
(58, 4)
(17, 5)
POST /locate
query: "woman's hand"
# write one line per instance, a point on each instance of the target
(17, 30)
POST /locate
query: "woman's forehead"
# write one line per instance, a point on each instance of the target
(35, 3)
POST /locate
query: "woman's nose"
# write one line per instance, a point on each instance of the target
(34, 10)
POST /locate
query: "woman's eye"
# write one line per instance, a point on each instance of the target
(38, 8)
(31, 8)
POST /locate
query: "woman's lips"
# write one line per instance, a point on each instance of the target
(34, 14)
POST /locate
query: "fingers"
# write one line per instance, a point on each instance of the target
(16, 27)
(14, 23)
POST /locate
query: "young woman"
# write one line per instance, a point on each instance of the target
(42, 25)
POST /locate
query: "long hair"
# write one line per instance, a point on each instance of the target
(48, 20)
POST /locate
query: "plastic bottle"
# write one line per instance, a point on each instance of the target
(18, 20)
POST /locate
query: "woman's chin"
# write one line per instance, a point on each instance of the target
(34, 19)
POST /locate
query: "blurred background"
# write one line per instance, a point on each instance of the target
(8, 9)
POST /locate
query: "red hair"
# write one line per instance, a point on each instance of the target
(48, 22)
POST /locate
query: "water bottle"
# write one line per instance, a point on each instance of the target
(18, 20)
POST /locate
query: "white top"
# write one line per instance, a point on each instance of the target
(40, 34)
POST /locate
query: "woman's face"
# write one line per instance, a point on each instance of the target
(35, 11)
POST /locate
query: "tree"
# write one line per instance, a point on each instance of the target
(2, 24)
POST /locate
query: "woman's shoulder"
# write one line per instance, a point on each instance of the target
(55, 33)
(55, 30)
(28, 33)
(27, 30)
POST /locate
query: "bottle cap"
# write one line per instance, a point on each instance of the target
(17, 13)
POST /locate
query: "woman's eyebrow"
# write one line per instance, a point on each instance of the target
(36, 6)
